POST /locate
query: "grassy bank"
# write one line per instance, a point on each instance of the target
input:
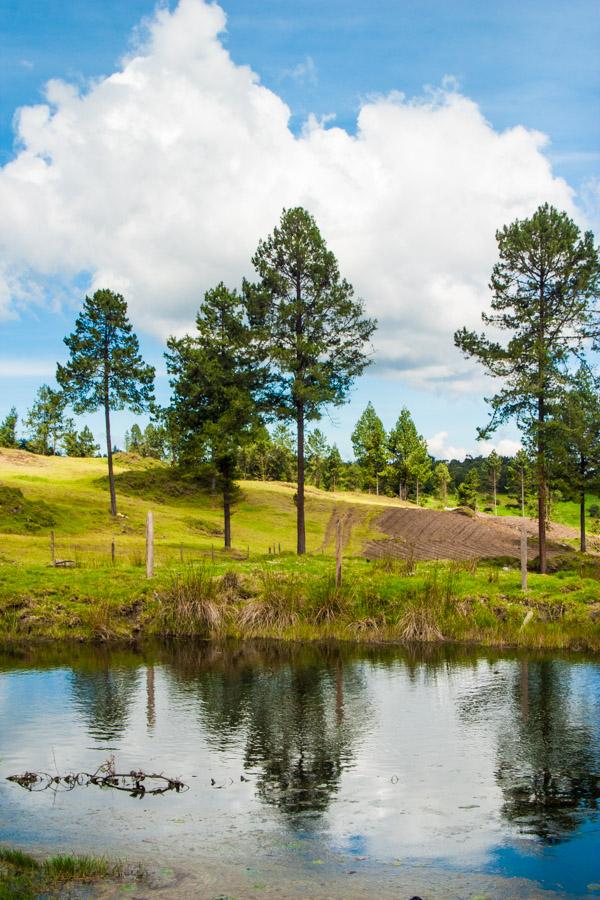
(24, 876)
(259, 589)
(289, 598)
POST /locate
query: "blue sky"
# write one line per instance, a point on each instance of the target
(534, 64)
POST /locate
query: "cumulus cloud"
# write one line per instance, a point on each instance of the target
(439, 447)
(159, 180)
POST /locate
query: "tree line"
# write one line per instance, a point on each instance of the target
(276, 351)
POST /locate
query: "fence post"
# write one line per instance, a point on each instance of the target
(52, 550)
(149, 545)
(338, 554)
(112, 551)
(523, 557)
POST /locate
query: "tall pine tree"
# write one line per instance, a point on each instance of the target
(216, 379)
(105, 368)
(544, 287)
(311, 328)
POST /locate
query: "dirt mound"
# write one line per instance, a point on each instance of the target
(429, 534)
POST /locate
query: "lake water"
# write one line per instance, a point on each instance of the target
(321, 772)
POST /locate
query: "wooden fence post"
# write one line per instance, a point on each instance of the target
(523, 557)
(52, 548)
(149, 545)
(338, 554)
(112, 551)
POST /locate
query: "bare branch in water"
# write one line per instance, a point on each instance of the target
(137, 784)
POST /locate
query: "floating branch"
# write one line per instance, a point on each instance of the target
(136, 784)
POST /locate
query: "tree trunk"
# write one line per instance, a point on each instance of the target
(582, 534)
(111, 474)
(417, 492)
(495, 498)
(227, 511)
(301, 529)
(542, 486)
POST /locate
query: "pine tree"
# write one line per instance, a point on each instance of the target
(215, 380)
(576, 443)
(334, 470)
(44, 421)
(493, 470)
(317, 451)
(419, 467)
(134, 440)
(105, 368)
(311, 327)
(404, 440)
(8, 429)
(468, 490)
(520, 478)
(79, 444)
(544, 288)
(442, 478)
(369, 444)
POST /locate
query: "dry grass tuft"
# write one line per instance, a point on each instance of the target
(195, 603)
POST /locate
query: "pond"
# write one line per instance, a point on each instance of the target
(317, 771)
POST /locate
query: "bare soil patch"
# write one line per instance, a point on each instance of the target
(423, 534)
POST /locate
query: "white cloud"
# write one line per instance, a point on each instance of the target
(304, 73)
(161, 178)
(439, 447)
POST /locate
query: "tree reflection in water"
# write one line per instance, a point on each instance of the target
(297, 711)
(548, 756)
(103, 694)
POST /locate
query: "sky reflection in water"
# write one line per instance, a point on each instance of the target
(439, 756)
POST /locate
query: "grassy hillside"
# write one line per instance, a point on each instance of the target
(70, 496)
(261, 588)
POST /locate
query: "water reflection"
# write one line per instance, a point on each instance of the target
(296, 712)
(434, 753)
(548, 760)
(104, 698)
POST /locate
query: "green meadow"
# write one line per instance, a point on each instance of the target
(260, 588)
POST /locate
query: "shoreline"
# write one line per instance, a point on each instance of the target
(290, 599)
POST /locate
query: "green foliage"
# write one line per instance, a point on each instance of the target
(21, 516)
(44, 421)
(215, 377)
(309, 326)
(369, 444)
(492, 470)
(80, 443)
(520, 479)
(334, 470)
(8, 429)
(105, 368)
(317, 453)
(442, 479)
(575, 442)
(409, 460)
(544, 288)
(468, 490)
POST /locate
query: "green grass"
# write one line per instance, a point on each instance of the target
(296, 599)
(199, 589)
(24, 876)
